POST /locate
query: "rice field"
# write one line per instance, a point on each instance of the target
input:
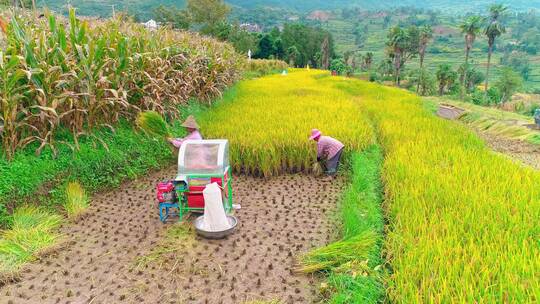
(462, 222)
(268, 121)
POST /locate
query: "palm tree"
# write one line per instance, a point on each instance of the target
(426, 34)
(470, 27)
(446, 77)
(398, 40)
(493, 30)
(368, 60)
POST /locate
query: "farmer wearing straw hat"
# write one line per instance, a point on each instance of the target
(193, 129)
(328, 151)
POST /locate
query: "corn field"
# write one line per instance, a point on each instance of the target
(75, 75)
(269, 121)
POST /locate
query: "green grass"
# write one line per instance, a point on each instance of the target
(354, 264)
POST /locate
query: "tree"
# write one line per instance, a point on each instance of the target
(209, 14)
(401, 46)
(425, 82)
(493, 30)
(339, 66)
(292, 54)
(508, 83)
(266, 47)
(426, 34)
(472, 77)
(176, 18)
(242, 40)
(470, 28)
(308, 42)
(325, 53)
(368, 60)
(446, 77)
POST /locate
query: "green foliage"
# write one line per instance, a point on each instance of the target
(303, 44)
(445, 77)
(424, 81)
(356, 276)
(508, 83)
(172, 16)
(208, 14)
(339, 66)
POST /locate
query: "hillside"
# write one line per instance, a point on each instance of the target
(143, 8)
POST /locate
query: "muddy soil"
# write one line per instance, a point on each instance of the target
(524, 152)
(279, 219)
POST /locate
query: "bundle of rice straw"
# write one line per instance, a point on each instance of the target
(153, 124)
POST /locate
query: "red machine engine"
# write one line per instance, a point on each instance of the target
(165, 192)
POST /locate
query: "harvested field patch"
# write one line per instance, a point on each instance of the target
(280, 219)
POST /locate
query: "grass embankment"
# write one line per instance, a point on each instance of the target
(268, 120)
(492, 120)
(463, 221)
(354, 264)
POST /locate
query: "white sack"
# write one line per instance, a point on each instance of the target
(215, 218)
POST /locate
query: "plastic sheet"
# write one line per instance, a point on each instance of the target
(215, 218)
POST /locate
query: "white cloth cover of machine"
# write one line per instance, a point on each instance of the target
(215, 218)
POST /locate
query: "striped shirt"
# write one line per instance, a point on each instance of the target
(328, 147)
(177, 142)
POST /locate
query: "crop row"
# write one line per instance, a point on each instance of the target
(73, 75)
(268, 121)
(463, 221)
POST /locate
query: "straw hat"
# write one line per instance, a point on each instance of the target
(315, 133)
(190, 123)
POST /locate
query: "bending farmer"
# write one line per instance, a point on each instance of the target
(193, 129)
(328, 151)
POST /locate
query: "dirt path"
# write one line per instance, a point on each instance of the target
(526, 153)
(279, 219)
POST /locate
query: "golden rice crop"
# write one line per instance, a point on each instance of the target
(463, 221)
(268, 121)
(76, 200)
